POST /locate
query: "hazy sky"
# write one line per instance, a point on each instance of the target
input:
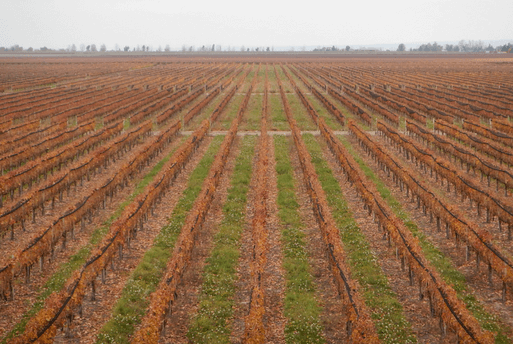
(59, 23)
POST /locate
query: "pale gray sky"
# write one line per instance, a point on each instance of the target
(59, 23)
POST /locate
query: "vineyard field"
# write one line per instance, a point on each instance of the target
(256, 198)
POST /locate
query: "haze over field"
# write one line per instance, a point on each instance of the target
(59, 23)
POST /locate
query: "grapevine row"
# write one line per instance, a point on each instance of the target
(489, 147)
(488, 133)
(476, 238)
(327, 103)
(358, 323)
(14, 160)
(495, 205)
(43, 243)
(443, 299)
(161, 301)
(484, 164)
(254, 331)
(59, 307)
(30, 173)
(62, 181)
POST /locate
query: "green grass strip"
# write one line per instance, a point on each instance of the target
(130, 308)
(331, 121)
(261, 80)
(252, 118)
(301, 307)
(277, 113)
(303, 120)
(211, 323)
(273, 84)
(443, 264)
(205, 112)
(387, 311)
(58, 279)
(232, 108)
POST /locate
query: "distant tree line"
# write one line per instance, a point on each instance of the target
(92, 48)
(462, 46)
(333, 48)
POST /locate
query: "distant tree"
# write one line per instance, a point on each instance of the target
(159, 49)
(43, 48)
(143, 47)
(30, 49)
(73, 48)
(348, 48)
(147, 48)
(242, 48)
(213, 47)
(82, 47)
(505, 47)
(167, 48)
(191, 48)
(93, 47)
(267, 49)
(401, 47)
(462, 45)
(88, 48)
(103, 48)
(448, 47)
(126, 48)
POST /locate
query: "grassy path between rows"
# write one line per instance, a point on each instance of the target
(211, 323)
(443, 264)
(131, 306)
(56, 282)
(301, 307)
(387, 311)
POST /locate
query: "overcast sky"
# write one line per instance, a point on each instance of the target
(60, 23)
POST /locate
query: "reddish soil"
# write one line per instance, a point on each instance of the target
(274, 280)
(243, 287)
